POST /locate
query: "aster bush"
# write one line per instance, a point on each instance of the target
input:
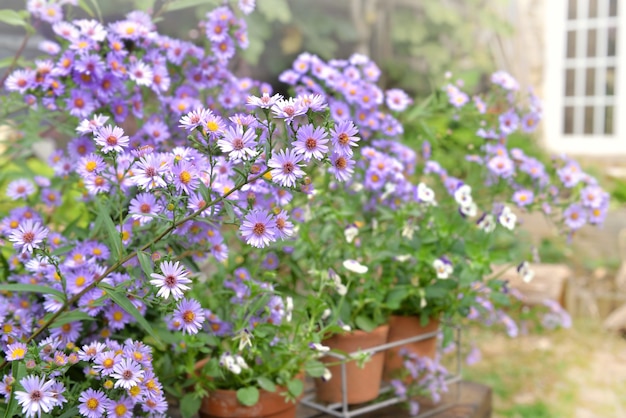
(170, 161)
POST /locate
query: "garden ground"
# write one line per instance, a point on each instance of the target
(578, 373)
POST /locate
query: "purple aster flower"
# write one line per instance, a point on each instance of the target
(264, 102)
(285, 168)
(194, 119)
(238, 144)
(173, 280)
(190, 315)
(575, 216)
(144, 207)
(36, 396)
(270, 262)
(523, 197)
(80, 103)
(128, 373)
(570, 174)
(105, 361)
(20, 80)
(339, 111)
(78, 279)
(530, 122)
(28, 236)
(598, 215)
(343, 137)
(186, 177)
(259, 228)
(111, 138)
(399, 388)
(501, 166)
(218, 249)
(397, 100)
(283, 225)
(141, 73)
(120, 408)
(288, 109)
(593, 196)
(92, 403)
(20, 189)
(504, 80)
(508, 122)
(224, 49)
(342, 166)
(311, 142)
(16, 351)
(50, 197)
(149, 171)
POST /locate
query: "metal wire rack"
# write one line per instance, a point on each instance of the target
(344, 410)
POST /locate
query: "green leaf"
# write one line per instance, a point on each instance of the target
(83, 5)
(266, 384)
(364, 323)
(248, 396)
(185, 4)
(146, 263)
(70, 413)
(112, 234)
(189, 405)
(70, 316)
(295, 387)
(17, 371)
(11, 17)
(275, 10)
(34, 288)
(314, 368)
(395, 297)
(122, 300)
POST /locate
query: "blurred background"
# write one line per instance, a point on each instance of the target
(572, 53)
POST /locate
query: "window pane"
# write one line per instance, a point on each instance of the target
(612, 8)
(611, 39)
(590, 81)
(571, 44)
(568, 120)
(588, 120)
(591, 42)
(593, 8)
(571, 10)
(610, 81)
(570, 76)
(608, 120)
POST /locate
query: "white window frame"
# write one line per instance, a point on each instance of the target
(556, 27)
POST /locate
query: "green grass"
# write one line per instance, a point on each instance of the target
(553, 375)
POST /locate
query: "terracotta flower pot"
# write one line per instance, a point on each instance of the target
(402, 327)
(363, 384)
(224, 404)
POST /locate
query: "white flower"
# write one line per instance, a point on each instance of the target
(487, 223)
(408, 229)
(346, 328)
(403, 258)
(327, 375)
(443, 268)
(463, 195)
(469, 210)
(239, 361)
(288, 308)
(525, 271)
(341, 289)
(357, 187)
(389, 189)
(319, 347)
(355, 267)
(507, 218)
(425, 194)
(326, 314)
(351, 233)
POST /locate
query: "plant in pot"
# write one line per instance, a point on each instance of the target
(256, 348)
(99, 248)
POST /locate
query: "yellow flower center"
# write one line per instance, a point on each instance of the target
(92, 404)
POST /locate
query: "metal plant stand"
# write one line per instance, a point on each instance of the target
(343, 410)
